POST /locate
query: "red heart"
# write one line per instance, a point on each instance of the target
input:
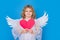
(27, 24)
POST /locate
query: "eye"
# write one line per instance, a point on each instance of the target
(30, 11)
(26, 11)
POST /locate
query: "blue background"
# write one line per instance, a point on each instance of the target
(13, 9)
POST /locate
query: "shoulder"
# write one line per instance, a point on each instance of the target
(34, 19)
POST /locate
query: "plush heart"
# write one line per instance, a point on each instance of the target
(27, 24)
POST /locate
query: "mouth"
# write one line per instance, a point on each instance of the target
(28, 14)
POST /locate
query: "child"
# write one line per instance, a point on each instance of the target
(27, 28)
(28, 15)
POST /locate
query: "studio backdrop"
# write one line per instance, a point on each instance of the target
(13, 9)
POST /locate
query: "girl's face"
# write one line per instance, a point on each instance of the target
(28, 12)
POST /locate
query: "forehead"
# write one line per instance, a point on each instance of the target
(28, 9)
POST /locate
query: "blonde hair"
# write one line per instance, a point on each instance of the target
(33, 13)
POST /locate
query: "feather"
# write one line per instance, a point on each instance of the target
(42, 21)
(14, 24)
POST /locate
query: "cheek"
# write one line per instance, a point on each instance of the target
(26, 13)
(30, 13)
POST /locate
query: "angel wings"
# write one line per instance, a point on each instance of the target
(40, 22)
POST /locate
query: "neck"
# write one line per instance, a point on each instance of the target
(28, 18)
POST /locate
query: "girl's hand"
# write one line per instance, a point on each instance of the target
(23, 31)
(31, 31)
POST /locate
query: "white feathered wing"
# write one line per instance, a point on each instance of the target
(41, 22)
(14, 24)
